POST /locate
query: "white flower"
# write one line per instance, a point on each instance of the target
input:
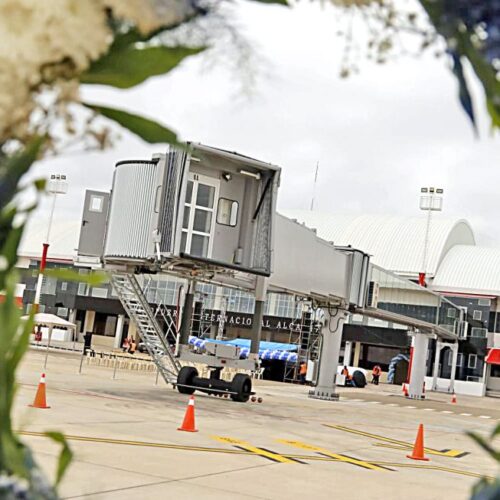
(149, 15)
(4, 263)
(56, 40)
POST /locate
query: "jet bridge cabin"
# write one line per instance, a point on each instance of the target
(196, 208)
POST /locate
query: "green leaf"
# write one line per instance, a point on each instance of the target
(65, 274)
(125, 67)
(65, 456)
(40, 184)
(484, 489)
(22, 343)
(486, 74)
(494, 112)
(463, 89)
(9, 249)
(14, 167)
(485, 445)
(148, 130)
(496, 431)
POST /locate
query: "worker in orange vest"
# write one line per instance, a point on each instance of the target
(376, 374)
(303, 372)
(348, 376)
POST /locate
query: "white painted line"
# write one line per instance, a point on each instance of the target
(428, 409)
(466, 414)
(446, 411)
(374, 402)
(484, 416)
(411, 407)
(391, 404)
(355, 400)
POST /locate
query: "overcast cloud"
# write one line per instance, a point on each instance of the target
(378, 136)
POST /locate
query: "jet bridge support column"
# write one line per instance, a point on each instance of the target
(258, 315)
(454, 358)
(331, 338)
(187, 314)
(435, 368)
(419, 366)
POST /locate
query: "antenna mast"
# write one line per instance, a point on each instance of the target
(314, 186)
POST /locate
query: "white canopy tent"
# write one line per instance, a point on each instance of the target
(51, 322)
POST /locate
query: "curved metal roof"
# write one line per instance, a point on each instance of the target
(469, 269)
(395, 242)
(63, 239)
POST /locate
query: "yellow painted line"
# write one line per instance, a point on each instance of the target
(402, 444)
(339, 457)
(438, 468)
(168, 446)
(148, 444)
(330, 458)
(275, 457)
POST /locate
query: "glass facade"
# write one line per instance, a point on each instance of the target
(239, 301)
(285, 306)
(161, 291)
(208, 293)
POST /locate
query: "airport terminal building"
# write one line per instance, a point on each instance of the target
(466, 274)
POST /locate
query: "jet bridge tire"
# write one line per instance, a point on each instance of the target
(185, 377)
(242, 387)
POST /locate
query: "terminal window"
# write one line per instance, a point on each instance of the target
(460, 358)
(472, 361)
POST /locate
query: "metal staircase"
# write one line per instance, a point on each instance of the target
(132, 297)
(163, 312)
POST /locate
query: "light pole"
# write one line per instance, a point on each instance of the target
(57, 184)
(431, 200)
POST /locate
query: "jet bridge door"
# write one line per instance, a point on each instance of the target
(92, 232)
(199, 218)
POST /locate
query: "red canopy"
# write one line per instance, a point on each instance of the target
(493, 357)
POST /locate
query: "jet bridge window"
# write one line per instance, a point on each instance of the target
(227, 212)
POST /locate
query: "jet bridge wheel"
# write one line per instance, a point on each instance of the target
(185, 378)
(241, 387)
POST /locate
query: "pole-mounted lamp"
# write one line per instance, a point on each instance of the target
(431, 200)
(57, 184)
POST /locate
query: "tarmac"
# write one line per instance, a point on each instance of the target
(124, 435)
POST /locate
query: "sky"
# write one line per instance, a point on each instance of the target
(378, 135)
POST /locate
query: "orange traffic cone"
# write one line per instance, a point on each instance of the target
(40, 401)
(405, 391)
(188, 422)
(453, 398)
(418, 448)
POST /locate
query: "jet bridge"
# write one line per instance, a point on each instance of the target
(207, 214)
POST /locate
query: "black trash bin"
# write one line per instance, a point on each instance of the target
(87, 342)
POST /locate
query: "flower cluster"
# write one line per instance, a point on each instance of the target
(46, 45)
